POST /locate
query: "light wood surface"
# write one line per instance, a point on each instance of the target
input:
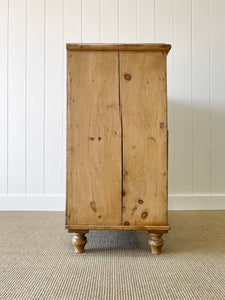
(118, 47)
(93, 139)
(117, 140)
(144, 118)
(156, 242)
(74, 228)
(79, 241)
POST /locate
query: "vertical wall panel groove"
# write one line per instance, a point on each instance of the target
(81, 31)
(145, 21)
(44, 97)
(109, 21)
(172, 120)
(201, 97)
(127, 21)
(25, 127)
(53, 97)
(100, 22)
(191, 98)
(4, 96)
(164, 34)
(35, 100)
(210, 93)
(154, 21)
(118, 22)
(90, 21)
(218, 98)
(72, 34)
(63, 174)
(17, 97)
(182, 98)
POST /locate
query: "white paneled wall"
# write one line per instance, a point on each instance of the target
(33, 34)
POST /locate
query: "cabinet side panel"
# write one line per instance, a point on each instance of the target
(93, 139)
(144, 117)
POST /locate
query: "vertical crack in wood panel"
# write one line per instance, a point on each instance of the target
(121, 119)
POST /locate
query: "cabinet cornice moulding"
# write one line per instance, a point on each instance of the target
(119, 47)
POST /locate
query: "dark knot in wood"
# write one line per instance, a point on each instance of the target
(93, 205)
(126, 223)
(144, 215)
(127, 76)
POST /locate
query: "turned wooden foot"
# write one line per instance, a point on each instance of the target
(79, 241)
(156, 242)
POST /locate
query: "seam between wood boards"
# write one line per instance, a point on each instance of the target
(121, 121)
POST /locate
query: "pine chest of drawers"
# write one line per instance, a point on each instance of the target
(117, 140)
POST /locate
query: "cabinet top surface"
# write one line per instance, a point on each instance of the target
(116, 47)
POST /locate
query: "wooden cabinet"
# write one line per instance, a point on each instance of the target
(117, 140)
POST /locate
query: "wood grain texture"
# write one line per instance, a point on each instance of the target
(156, 242)
(144, 117)
(75, 228)
(93, 139)
(79, 241)
(117, 47)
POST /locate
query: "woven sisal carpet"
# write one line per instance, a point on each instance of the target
(37, 260)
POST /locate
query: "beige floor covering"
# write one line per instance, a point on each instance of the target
(37, 260)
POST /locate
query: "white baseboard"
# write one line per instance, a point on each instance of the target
(57, 202)
(32, 202)
(197, 202)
